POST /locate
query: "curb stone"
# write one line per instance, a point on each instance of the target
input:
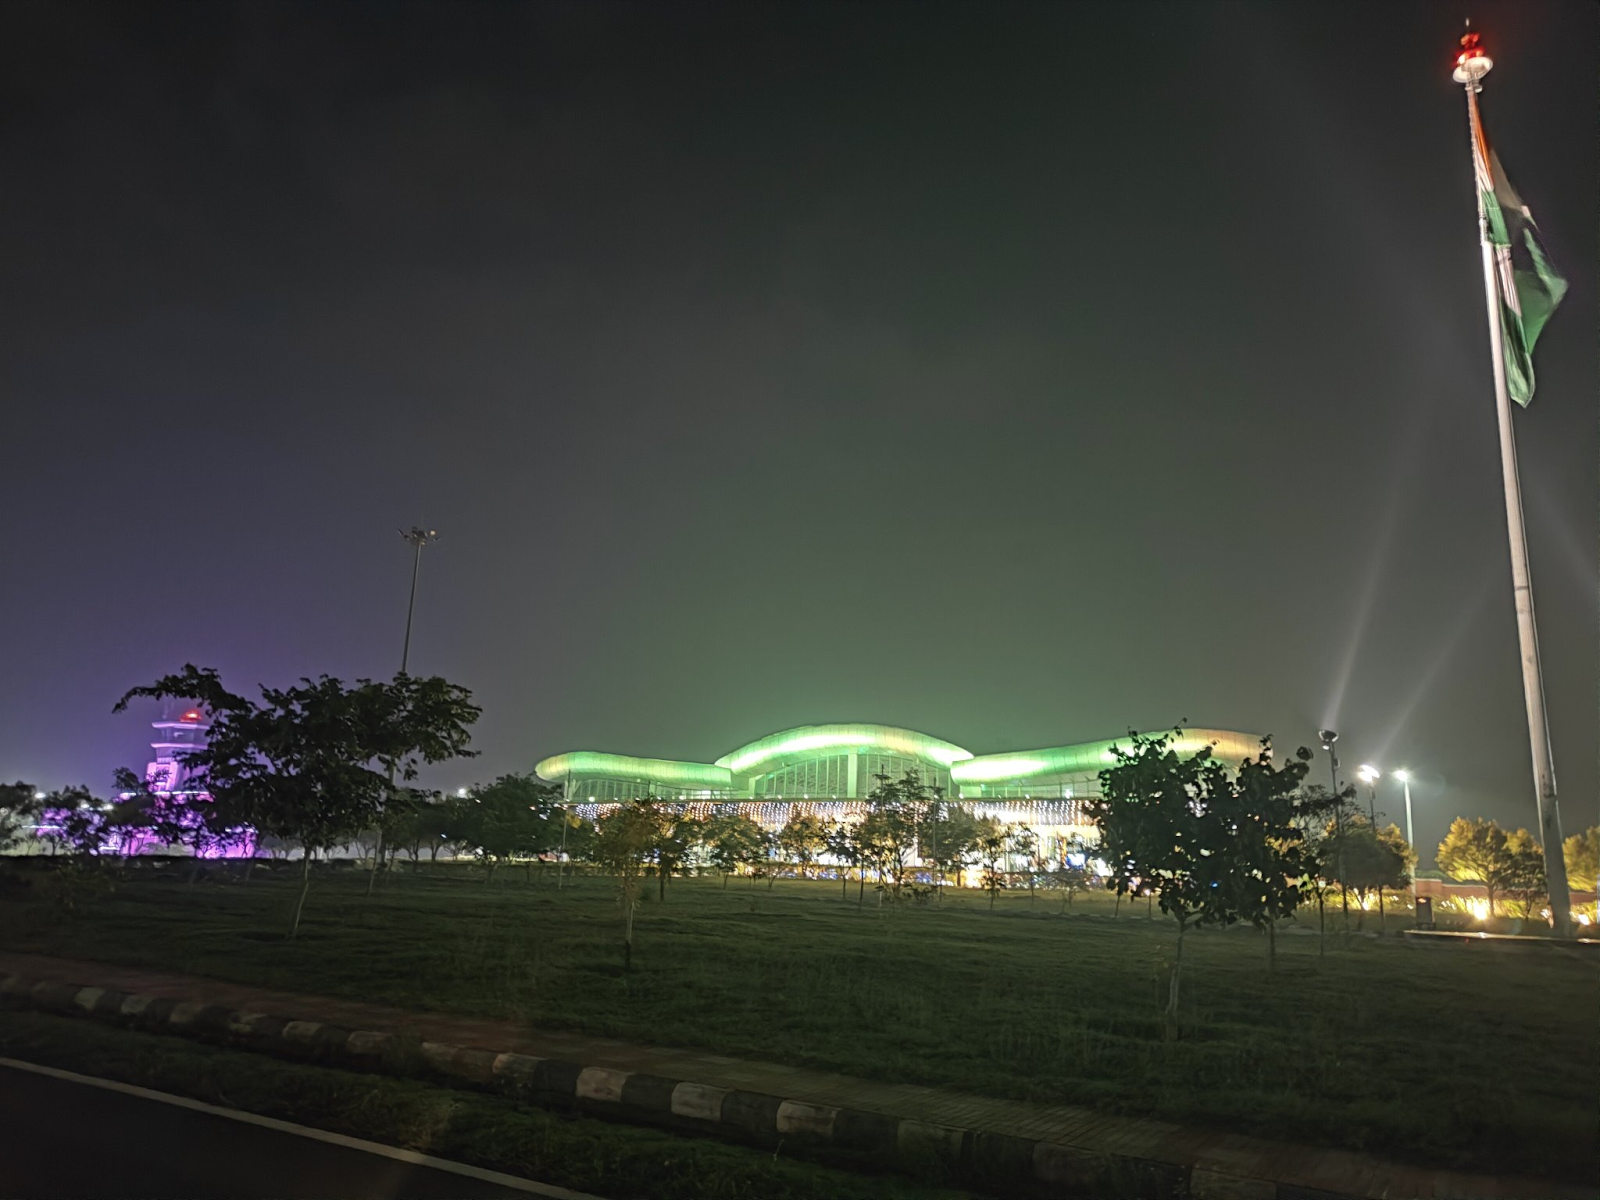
(1036, 1166)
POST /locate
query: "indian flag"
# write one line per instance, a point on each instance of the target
(1529, 286)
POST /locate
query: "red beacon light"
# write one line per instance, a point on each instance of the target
(192, 714)
(1472, 64)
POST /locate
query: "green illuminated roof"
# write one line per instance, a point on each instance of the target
(813, 741)
(735, 770)
(592, 764)
(1089, 758)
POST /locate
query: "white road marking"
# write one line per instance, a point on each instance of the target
(320, 1135)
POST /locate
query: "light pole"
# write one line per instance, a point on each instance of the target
(1404, 777)
(417, 537)
(1329, 737)
(1370, 775)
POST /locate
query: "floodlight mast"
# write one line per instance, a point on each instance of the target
(1472, 64)
(419, 538)
(1329, 737)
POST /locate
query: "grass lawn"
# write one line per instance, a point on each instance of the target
(1451, 1057)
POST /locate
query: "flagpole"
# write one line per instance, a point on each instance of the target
(1471, 66)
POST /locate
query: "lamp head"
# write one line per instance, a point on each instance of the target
(1402, 775)
(1329, 737)
(1369, 773)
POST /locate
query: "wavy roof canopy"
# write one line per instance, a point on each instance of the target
(1089, 758)
(808, 741)
(811, 741)
(593, 764)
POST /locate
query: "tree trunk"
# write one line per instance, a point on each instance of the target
(1172, 986)
(724, 881)
(1322, 927)
(861, 896)
(993, 892)
(771, 876)
(627, 937)
(377, 857)
(305, 886)
(844, 884)
(1150, 907)
(1383, 926)
(661, 883)
(1272, 946)
(1117, 907)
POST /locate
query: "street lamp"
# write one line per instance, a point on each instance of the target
(1329, 737)
(418, 538)
(1369, 775)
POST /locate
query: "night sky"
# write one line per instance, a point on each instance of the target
(1016, 374)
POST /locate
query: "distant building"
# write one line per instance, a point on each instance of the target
(831, 769)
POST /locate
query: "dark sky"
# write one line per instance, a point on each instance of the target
(1017, 374)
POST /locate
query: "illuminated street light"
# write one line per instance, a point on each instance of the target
(1369, 775)
(1329, 737)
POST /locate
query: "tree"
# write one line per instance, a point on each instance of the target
(513, 817)
(801, 839)
(1029, 847)
(838, 838)
(1073, 875)
(680, 834)
(734, 840)
(315, 763)
(1213, 849)
(992, 846)
(627, 839)
(1475, 850)
(886, 836)
(948, 836)
(19, 814)
(1374, 860)
(1582, 854)
(1523, 878)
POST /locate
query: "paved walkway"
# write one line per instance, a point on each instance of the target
(1320, 1171)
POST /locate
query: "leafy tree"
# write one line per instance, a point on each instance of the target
(993, 846)
(887, 835)
(838, 838)
(734, 840)
(801, 839)
(680, 834)
(315, 763)
(1212, 848)
(1073, 874)
(948, 836)
(19, 813)
(627, 839)
(1523, 877)
(1374, 860)
(1476, 850)
(513, 817)
(1027, 845)
(1582, 854)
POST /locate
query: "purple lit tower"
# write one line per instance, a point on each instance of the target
(169, 778)
(167, 774)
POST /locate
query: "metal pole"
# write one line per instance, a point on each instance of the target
(561, 857)
(1338, 834)
(1544, 779)
(1410, 837)
(411, 606)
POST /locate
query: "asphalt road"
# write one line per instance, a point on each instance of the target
(61, 1139)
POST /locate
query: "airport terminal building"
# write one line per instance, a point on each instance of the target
(831, 769)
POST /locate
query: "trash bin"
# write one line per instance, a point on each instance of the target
(1424, 913)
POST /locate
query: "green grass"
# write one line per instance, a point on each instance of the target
(574, 1152)
(1448, 1057)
